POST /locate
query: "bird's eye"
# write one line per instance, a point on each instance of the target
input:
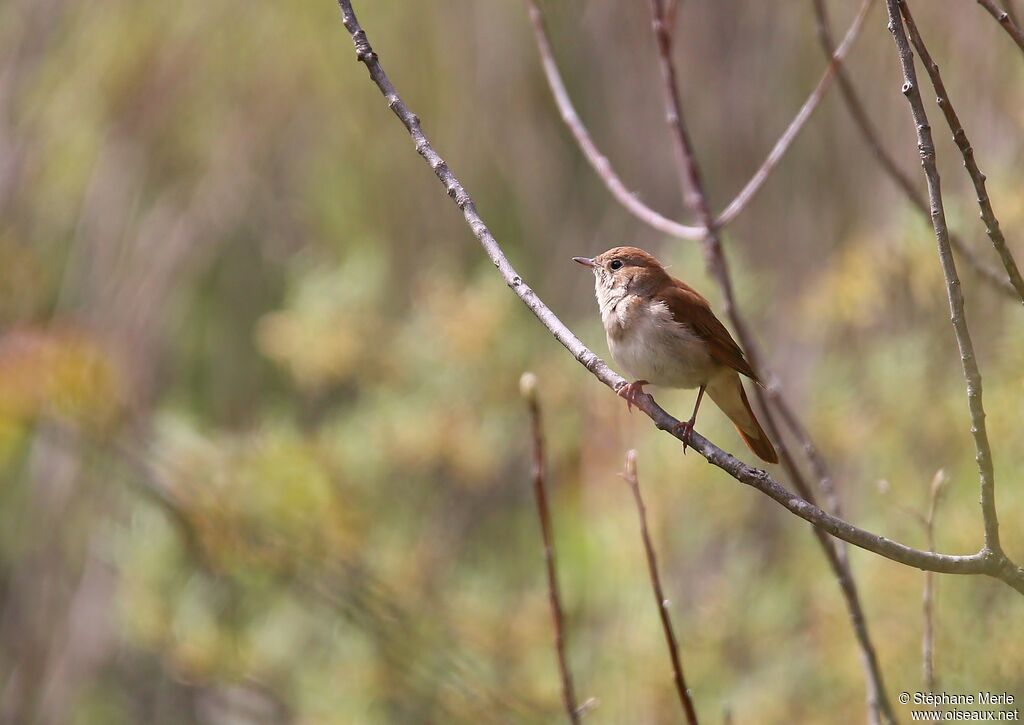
(617, 264)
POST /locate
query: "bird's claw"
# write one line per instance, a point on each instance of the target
(683, 429)
(631, 391)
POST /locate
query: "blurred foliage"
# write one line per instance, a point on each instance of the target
(57, 373)
(262, 453)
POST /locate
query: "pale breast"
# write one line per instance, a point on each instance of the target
(648, 344)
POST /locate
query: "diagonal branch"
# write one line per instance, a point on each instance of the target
(598, 161)
(969, 361)
(1006, 20)
(602, 166)
(867, 130)
(988, 216)
(747, 193)
(819, 467)
(685, 700)
(528, 387)
(1008, 6)
(990, 563)
(879, 706)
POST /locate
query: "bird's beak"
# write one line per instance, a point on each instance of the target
(585, 261)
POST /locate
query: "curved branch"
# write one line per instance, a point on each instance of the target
(835, 553)
(602, 166)
(1005, 20)
(867, 130)
(747, 193)
(969, 361)
(598, 161)
(984, 562)
(988, 215)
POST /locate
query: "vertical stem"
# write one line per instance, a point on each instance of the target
(659, 595)
(968, 360)
(928, 636)
(879, 708)
(928, 598)
(867, 131)
(988, 215)
(528, 387)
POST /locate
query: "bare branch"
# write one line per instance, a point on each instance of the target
(867, 130)
(1008, 5)
(670, 12)
(747, 193)
(685, 700)
(528, 387)
(818, 464)
(656, 221)
(879, 707)
(1005, 20)
(967, 151)
(969, 362)
(928, 598)
(986, 562)
(686, 163)
(598, 161)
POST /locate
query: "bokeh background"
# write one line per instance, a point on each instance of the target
(262, 452)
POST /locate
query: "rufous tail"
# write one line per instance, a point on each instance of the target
(728, 393)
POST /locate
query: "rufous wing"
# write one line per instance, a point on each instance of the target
(690, 308)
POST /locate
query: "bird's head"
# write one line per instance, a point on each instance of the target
(627, 269)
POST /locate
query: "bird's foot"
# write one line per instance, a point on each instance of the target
(684, 429)
(632, 391)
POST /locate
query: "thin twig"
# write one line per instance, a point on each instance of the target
(670, 12)
(988, 216)
(713, 253)
(969, 362)
(686, 164)
(603, 167)
(685, 700)
(870, 135)
(1005, 20)
(598, 161)
(928, 598)
(819, 467)
(747, 193)
(994, 564)
(879, 707)
(528, 387)
(1008, 6)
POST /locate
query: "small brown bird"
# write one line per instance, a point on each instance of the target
(662, 332)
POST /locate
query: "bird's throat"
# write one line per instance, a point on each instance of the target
(610, 301)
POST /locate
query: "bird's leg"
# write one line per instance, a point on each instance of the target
(686, 427)
(630, 391)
